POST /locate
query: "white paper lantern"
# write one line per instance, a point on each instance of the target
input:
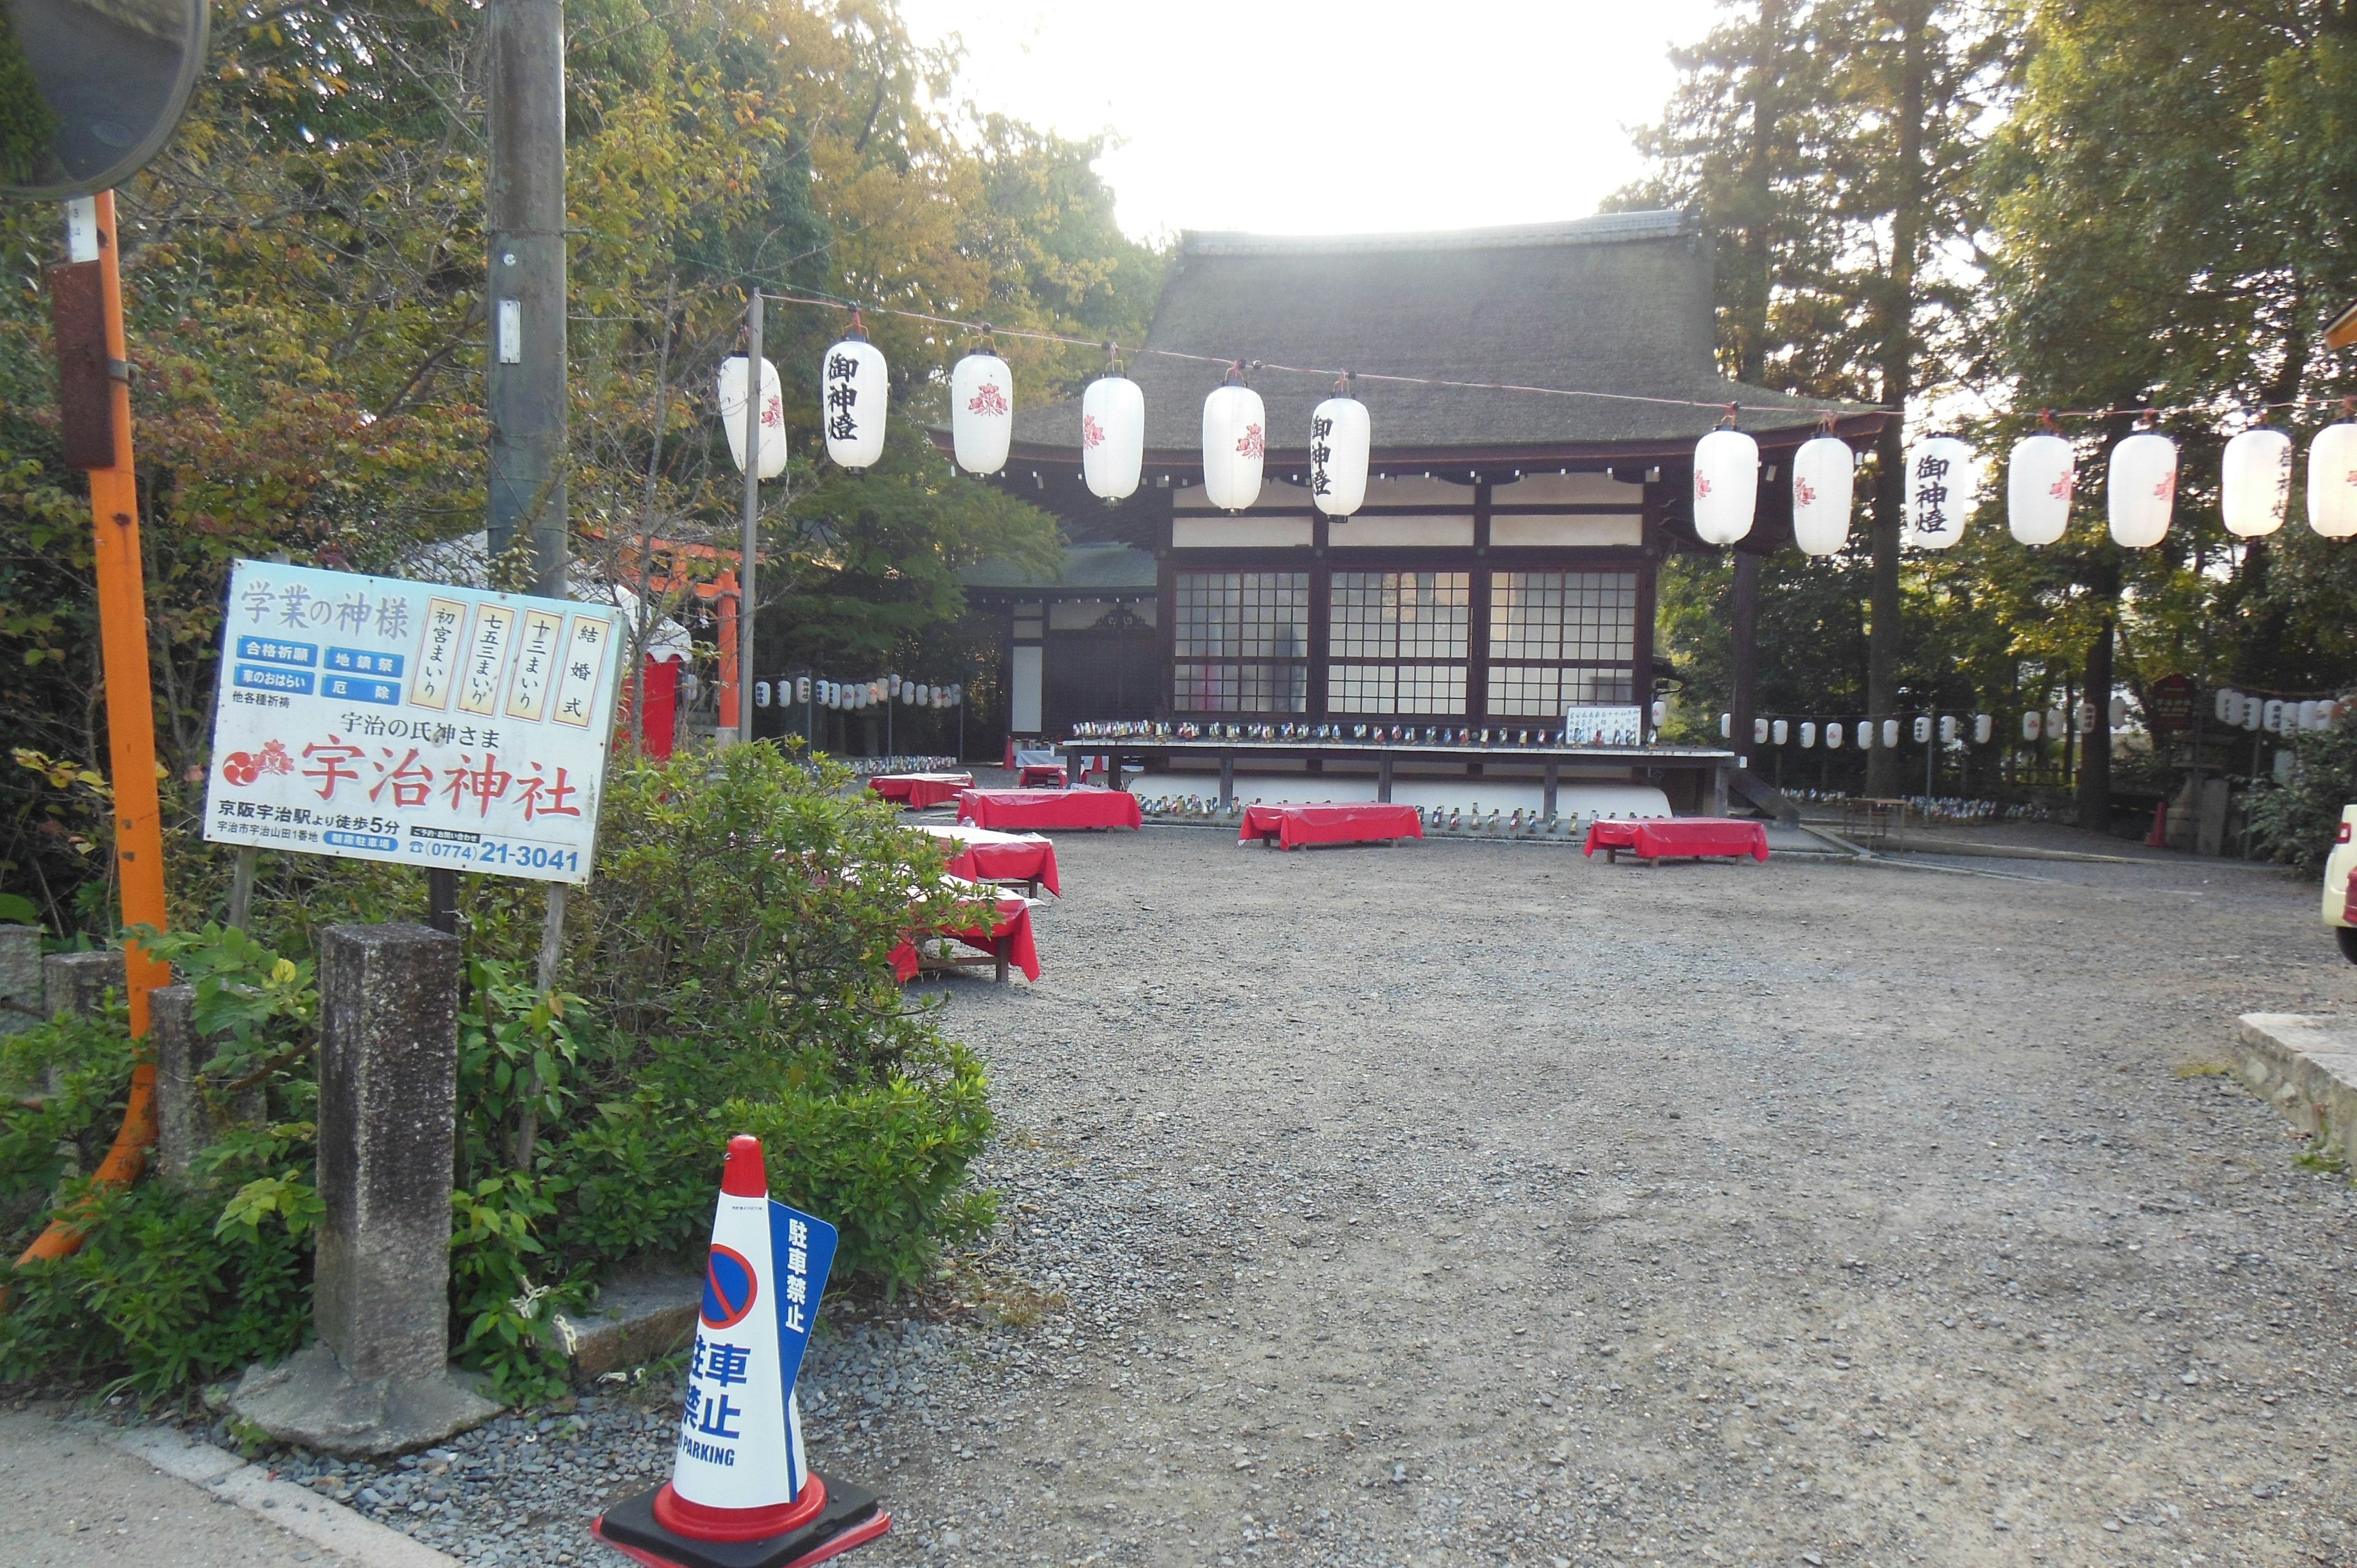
(1922, 728)
(2058, 727)
(1660, 712)
(2119, 714)
(2308, 719)
(1779, 731)
(909, 694)
(982, 412)
(761, 694)
(1947, 728)
(1834, 735)
(2086, 715)
(2039, 479)
(1942, 482)
(1726, 726)
(2223, 707)
(2271, 717)
(1890, 733)
(802, 689)
(2251, 715)
(1726, 486)
(957, 694)
(1759, 732)
(773, 415)
(2332, 480)
(2032, 725)
(876, 693)
(2255, 482)
(1808, 734)
(1113, 437)
(891, 686)
(1340, 436)
(1235, 444)
(2326, 713)
(852, 391)
(2141, 490)
(1823, 470)
(1984, 726)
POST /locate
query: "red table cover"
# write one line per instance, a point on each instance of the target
(1040, 775)
(1014, 924)
(918, 790)
(979, 854)
(1659, 837)
(1050, 809)
(1354, 821)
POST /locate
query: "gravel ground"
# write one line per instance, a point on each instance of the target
(1472, 1203)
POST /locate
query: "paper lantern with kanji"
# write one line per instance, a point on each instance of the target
(2039, 479)
(2332, 481)
(1942, 482)
(2252, 714)
(982, 412)
(852, 390)
(1726, 486)
(1922, 728)
(2255, 482)
(1822, 473)
(1113, 437)
(2141, 490)
(1235, 444)
(2223, 705)
(773, 415)
(1340, 437)
(2271, 715)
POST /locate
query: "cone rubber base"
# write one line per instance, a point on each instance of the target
(850, 1519)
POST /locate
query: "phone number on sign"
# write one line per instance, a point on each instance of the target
(496, 851)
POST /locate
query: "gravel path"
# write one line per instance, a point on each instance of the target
(1472, 1203)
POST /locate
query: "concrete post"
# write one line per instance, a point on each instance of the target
(22, 1002)
(78, 983)
(378, 1381)
(185, 1124)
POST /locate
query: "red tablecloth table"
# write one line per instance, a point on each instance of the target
(978, 854)
(918, 790)
(1050, 809)
(1354, 821)
(1677, 838)
(1040, 775)
(1010, 943)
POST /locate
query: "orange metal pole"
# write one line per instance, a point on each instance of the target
(729, 695)
(130, 742)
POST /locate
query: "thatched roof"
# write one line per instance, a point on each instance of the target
(1619, 303)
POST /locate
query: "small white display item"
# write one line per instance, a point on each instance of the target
(1726, 486)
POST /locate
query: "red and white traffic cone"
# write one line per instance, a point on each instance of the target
(741, 1495)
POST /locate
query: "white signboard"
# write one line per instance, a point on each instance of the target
(378, 719)
(1604, 727)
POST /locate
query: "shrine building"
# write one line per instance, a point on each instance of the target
(1503, 567)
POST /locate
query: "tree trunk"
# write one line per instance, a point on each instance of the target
(1896, 310)
(2096, 744)
(1758, 193)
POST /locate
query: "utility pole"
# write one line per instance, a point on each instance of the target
(749, 544)
(527, 285)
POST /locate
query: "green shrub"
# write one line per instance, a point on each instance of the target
(2295, 823)
(729, 973)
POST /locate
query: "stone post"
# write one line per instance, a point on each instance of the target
(184, 1122)
(78, 983)
(22, 1003)
(378, 1381)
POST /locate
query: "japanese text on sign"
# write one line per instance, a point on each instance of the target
(417, 722)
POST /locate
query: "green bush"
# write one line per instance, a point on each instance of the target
(2295, 823)
(725, 971)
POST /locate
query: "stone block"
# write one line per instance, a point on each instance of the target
(636, 1320)
(78, 983)
(23, 996)
(378, 1381)
(2306, 1068)
(184, 1122)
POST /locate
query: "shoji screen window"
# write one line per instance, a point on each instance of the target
(1397, 642)
(1240, 643)
(1561, 639)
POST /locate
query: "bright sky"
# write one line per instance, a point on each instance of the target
(1329, 116)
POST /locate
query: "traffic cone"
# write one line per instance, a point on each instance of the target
(741, 1495)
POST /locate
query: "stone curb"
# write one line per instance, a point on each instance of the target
(296, 1510)
(2306, 1068)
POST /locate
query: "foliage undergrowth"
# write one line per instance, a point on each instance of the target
(724, 972)
(2295, 821)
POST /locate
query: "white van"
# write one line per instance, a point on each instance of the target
(2337, 868)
